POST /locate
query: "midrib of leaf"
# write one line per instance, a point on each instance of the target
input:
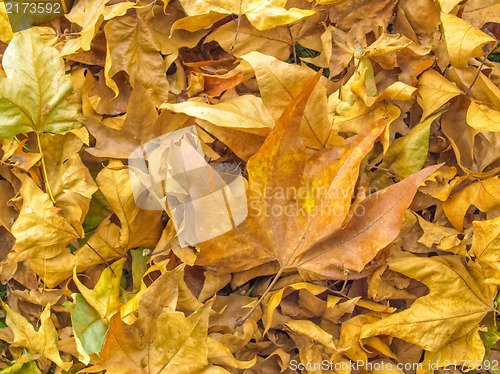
(49, 222)
(124, 351)
(470, 289)
(438, 319)
(291, 97)
(358, 232)
(177, 350)
(90, 325)
(38, 126)
(490, 242)
(345, 156)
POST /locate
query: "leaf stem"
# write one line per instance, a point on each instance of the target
(240, 321)
(380, 168)
(477, 76)
(103, 259)
(44, 168)
(237, 30)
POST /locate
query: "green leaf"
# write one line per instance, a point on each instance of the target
(105, 297)
(491, 336)
(98, 211)
(16, 368)
(139, 267)
(407, 155)
(37, 93)
(90, 330)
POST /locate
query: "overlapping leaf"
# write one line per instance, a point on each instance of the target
(307, 233)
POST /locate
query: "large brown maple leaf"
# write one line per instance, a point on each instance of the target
(299, 207)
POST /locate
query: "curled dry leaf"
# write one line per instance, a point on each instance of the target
(435, 320)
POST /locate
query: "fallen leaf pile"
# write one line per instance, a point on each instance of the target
(364, 133)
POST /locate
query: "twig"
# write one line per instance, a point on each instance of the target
(293, 46)
(237, 29)
(344, 284)
(338, 293)
(240, 320)
(477, 75)
(102, 258)
(380, 168)
(160, 251)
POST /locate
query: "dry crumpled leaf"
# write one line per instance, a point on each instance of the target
(6, 33)
(42, 342)
(475, 150)
(351, 343)
(133, 49)
(482, 117)
(457, 301)
(470, 348)
(479, 12)
(43, 229)
(313, 331)
(89, 15)
(302, 238)
(245, 113)
(138, 227)
(276, 297)
(275, 42)
(463, 40)
(162, 340)
(138, 127)
(279, 83)
(7, 214)
(434, 91)
(71, 183)
(483, 194)
(440, 184)
(185, 299)
(444, 238)
(485, 248)
(22, 159)
(40, 230)
(262, 14)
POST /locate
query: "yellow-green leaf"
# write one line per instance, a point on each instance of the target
(42, 342)
(36, 95)
(105, 296)
(457, 301)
